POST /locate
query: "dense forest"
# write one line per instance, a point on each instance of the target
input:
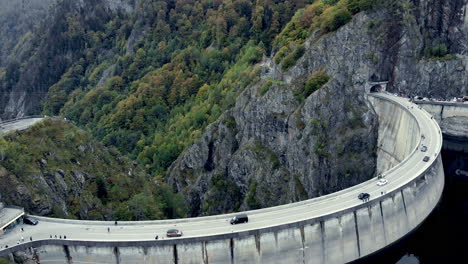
(193, 62)
(59, 170)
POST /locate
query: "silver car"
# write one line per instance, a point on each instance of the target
(382, 182)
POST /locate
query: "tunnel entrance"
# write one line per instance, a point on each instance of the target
(376, 88)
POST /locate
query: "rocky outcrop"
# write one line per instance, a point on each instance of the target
(53, 190)
(273, 149)
(55, 169)
(42, 42)
(17, 20)
(425, 28)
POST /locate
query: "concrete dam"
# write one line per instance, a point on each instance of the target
(335, 228)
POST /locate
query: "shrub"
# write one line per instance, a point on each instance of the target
(281, 54)
(356, 6)
(265, 87)
(291, 59)
(251, 198)
(439, 50)
(338, 18)
(314, 82)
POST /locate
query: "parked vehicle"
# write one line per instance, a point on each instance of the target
(241, 218)
(423, 148)
(30, 221)
(173, 233)
(426, 159)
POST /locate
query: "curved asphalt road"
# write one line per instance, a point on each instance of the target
(410, 168)
(21, 124)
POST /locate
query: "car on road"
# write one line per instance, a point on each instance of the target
(426, 158)
(30, 221)
(423, 148)
(173, 233)
(382, 182)
(363, 196)
(241, 218)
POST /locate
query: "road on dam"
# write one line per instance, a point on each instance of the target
(405, 172)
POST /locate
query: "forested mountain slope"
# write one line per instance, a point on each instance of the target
(17, 22)
(261, 101)
(56, 169)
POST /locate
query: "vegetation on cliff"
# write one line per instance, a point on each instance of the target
(189, 66)
(148, 78)
(5, 261)
(56, 169)
(148, 81)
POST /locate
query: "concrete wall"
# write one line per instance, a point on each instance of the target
(338, 239)
(399, 134)
(453, 127)
(442, 110)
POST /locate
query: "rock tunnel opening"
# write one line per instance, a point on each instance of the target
(376, 88)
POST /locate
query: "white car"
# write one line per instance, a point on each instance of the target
(382, 182)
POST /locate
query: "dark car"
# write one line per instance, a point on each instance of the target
(423, 148)
(174, 233)
(426, 159)
(242, 218)
(30, 221)
(363, 196)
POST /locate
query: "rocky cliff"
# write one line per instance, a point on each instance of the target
(17, 20)
(58, 170)
(272, 148)
(40, 39)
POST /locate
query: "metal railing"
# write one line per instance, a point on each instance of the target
(9, 121)
(7, 221)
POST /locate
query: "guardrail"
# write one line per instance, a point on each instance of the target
(457, 104)
(2, 122)
(11, 219)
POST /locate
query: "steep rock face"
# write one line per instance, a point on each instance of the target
(426, 27)
(50, 43)
(273, 149)
(57, 170)
(51, 191)
(17, 20)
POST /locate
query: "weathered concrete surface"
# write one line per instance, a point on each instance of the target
(399, 134)
(336, 240)
(443, 110)
(456, 126)
(453, 120)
